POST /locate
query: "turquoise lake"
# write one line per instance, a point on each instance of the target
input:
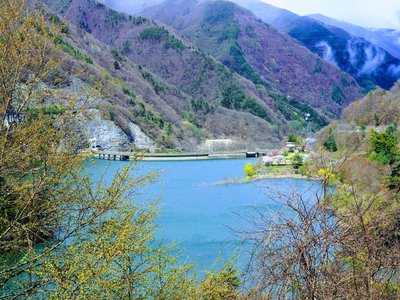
(200, 214)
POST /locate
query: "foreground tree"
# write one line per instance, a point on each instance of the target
(316, 251)
(344, 243)
(61, 235)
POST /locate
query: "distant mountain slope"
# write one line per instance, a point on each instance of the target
(388, 39)
(365, 61)
(199, 96)
(131, 7)
(270, 14)
(258, 52)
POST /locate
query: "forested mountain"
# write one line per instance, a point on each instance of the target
(183, 87)
(388, 39)
(185, 93)
(368, 56)
(75, 73)
(258, 52)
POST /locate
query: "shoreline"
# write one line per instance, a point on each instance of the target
(263, 177)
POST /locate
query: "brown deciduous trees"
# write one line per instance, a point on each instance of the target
(342, 244)
(61, 235)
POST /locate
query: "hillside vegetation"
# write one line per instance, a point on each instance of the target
(63, 236)
(289, 73)
(346, 245)
(202, 97)
(369, 55)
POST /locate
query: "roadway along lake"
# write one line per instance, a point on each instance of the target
(200, 213)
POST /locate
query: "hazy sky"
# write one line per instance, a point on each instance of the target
(371, 13)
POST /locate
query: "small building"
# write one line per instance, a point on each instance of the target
(267, 160)
(274, 160)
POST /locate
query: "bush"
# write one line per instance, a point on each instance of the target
(330, 143)
(71, 50)
(383, 146)
(297, 160)
(292, 138)
(222, 285)
(250, 170)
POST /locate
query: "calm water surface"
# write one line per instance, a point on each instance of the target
(199, 213)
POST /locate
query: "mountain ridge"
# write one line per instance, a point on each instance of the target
(369, 63)
(222, 29)
(390, 41)
(197, 117)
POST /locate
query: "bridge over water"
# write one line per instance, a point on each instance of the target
(126, 156)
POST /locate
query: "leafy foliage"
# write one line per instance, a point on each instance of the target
(234, 98)
(63, 236)
(384, 146)
(71, 50)
(201, 106)
(297, 111)
(330, 143)
(241, 66)
(297, 160)
(219, 12)
(222, 285)
(161, 34)
(114, 18)
(250, 170)
(296, 139)
(378, 108)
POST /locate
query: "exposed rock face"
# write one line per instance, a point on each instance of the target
(140, 139)
(181, 91)
(169, 88)
(106, 135)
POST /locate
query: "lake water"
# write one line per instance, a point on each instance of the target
(199, 213)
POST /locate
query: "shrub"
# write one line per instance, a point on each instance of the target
(297, 160)
(250, 170)
(127, 91)
(330, 143)
(383, 146)
(71, 50)
(222, 285)
(292, 138)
